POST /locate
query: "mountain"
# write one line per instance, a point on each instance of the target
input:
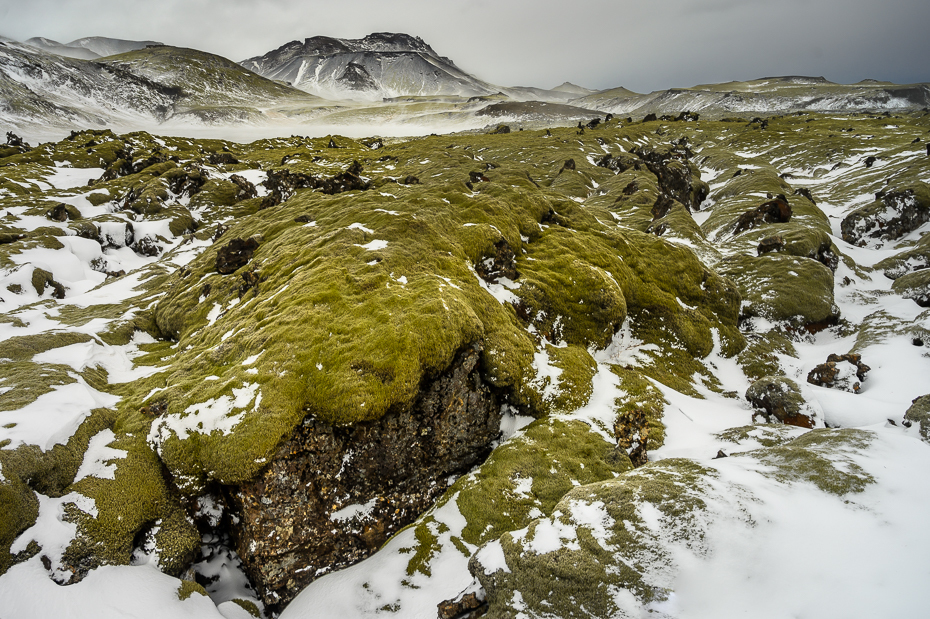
(89, 48)
(104, 46)
(54, 47)
(765, 95)
(42, 92)
(381, 65)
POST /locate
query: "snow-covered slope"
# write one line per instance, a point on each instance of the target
(766, 95)
(105, 46)
(377, 66)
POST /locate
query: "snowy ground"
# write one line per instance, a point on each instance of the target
(775, 549)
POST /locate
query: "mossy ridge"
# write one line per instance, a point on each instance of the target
(605, 543)
(880, 326)
(522, 479)
(763, 434)
(579, 578)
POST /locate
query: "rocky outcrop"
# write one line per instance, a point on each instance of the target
(333, 495)
(777, 210)
(894, 214)
(919, 413)
(780, 399)
(835, 376)
(235, 255)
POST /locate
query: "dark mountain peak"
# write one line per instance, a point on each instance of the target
(375, 42)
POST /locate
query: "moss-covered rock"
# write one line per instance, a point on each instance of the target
(914, 286)
(783, 288)
(919, 413)
(780, 398)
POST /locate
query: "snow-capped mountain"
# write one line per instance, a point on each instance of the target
(766, 95)
(381, 65)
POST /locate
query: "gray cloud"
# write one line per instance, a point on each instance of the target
(596, 43)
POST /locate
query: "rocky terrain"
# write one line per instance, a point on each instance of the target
(671, 366)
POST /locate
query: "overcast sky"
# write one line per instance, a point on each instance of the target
(644, 45)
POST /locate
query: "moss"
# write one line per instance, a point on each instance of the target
(134, 498)
(820, 457)
(919, 413)
(761, 355)
(783, 288)
(764, 435)
(248, 606)
(19, 509)
(614, 534)
(914, 286)
(188, 588)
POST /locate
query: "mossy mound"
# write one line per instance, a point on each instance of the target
(783, 288)
(615, 535)
(919, 413)
(913, 259)
(914, 286)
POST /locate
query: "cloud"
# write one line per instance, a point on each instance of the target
(597, 43)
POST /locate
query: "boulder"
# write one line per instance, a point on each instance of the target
(840, 372)
(916, 258)
(919, 413)
(235, 255)
(769, 244)
(894, 214)
(780, 398)
(777, 210)
(332, 495)
(914, 286)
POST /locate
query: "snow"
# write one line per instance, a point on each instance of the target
(97, 457)
(374, 245)
(68, 178)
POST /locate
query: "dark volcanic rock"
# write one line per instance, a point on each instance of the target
(631, 430)
(830, 374)
(678, 178)
(333, 495)
(467, 606)
(770, 243)
(235, 255)
(63, 212)
(893, 215)
(347, 181)
(222, 158)
(773, 211)
(282, 184)
(780, 398)
(502, 264)
(246, 189)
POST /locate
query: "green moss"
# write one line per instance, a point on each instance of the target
(914, 286)
(783, 288)
(919, 413)
(765, 435)
(820, 457)
(188, 588)
(19, 509)
(248, 606)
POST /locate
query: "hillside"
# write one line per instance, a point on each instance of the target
(659, 368)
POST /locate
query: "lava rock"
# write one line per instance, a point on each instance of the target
(235, 255)
(804, 191)
(869, 161)
(835, 376)
(501, 129)
(678, 178)
(331, 496)
(63, 212)
(780, 398)
(894, 214)
(502, 264)
(222, 159)
(282, 184)
(770, 243)
(147, 247)
(467, 606)
(246, 189)
(347, 181)
(631, 431)
(919, 413)
(914, 286)
(774, 211)
(42, 279)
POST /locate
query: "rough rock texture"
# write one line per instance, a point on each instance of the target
(235, 254)
(919, 413)
(676, 174)
(830, 374)
(914, 286)
(893, 214)
(333, 495)
(916, 258)
(467, 606)
(501, 264)
(781, 398)
(773, 211)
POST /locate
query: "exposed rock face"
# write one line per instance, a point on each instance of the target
(333, 495)
(770, 243)
(501, 264)
(235, 254)
(676, 174)
(830, 374)
(773, 211)
(892, 215)
(781, 398)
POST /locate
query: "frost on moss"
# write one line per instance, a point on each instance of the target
(610, 548)
(783, 288)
